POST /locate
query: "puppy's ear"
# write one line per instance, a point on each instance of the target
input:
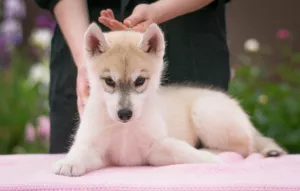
(94, 40)
(153, 41)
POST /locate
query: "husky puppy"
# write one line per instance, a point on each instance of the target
(130, 120)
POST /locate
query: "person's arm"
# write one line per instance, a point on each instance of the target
(161, 11)
(169, 9)
(72, 17)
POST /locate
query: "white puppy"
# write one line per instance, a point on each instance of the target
(130, 120)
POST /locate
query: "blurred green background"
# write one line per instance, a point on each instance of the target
(270, 93)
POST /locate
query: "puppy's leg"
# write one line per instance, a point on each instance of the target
(214, 151)
(78, 161)
(85, 154)
(267, 146)
(222, 125)
(170, 151)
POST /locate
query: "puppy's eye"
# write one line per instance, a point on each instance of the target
(110, 82)
(139, 81)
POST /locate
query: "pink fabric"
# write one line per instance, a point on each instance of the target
(33, 172)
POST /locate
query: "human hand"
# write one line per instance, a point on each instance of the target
(82, 89)
(108, 19)
(141, 18)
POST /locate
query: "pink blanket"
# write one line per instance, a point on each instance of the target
(33, 172)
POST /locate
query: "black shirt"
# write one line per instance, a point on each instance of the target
(49, 4)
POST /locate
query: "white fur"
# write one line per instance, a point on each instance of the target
(111, 101)
(167, 123)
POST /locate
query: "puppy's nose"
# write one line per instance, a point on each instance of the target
(124, 114)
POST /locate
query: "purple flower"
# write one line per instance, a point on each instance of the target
(282, 34)
(14, 9)
(52, 26)
(45, 21)
(43, 127)
(42, 21)
(30, 133)
(9, 26)
(11, 30)
(2, 41)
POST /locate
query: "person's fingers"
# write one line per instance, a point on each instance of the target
(82, 88)
(106, 21)
(142, 27)
(82, 96)
(85, 94)
(104, 13)
(138, 28)
(110, 13)
(128, 23)
(118, 25)
(79, 101)
(138, 15)
(79, 107)
(112, 23)
(133, 19)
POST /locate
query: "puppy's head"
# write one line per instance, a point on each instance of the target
(124, 68)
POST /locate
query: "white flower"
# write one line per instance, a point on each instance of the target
(232, 73)
(41, 37)
(39, 73)
(252, 45)
(10, 26)
(263, 99)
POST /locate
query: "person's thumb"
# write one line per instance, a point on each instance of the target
(136, 17)
(132, 20)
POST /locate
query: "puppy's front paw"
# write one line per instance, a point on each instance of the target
(67, 167)
(208, 157)
(214, 159)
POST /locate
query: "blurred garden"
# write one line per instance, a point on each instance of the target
(270, 93)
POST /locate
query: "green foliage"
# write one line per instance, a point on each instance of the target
(273, 105)
(19, 104)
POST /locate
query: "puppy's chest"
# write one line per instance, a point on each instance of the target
(129, 146)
